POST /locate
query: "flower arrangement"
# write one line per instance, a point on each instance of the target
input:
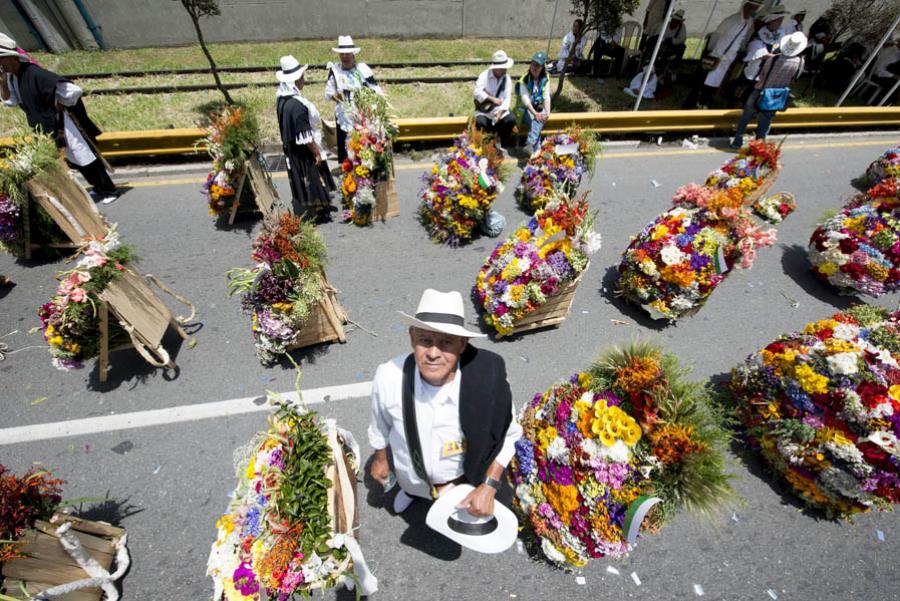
(598, 445)
(775, 208)
(886, 166)
(70, 322)
(369, 155)
(277, 539)
(561, 162)
(284, 287)
(460, 188)
(23, 500)
(859, 248)
(823, 408)
(544, 254)
(749, 170)
(30, 155)
(232, 135)
(672, 267)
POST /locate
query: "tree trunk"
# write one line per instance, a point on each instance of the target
(212, 62)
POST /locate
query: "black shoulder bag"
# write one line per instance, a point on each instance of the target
(411, 427)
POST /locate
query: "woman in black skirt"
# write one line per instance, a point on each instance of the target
(301, 139)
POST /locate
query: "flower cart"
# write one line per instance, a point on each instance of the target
(560, 163)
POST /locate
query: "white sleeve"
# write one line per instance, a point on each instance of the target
(513, 434)
(755, 51)
(330, 85)
(67, 93)
(506, 95)
(380, 422)
(480, 83)
(566, 46)
(13, 92)
(366, 72)
(524, 94)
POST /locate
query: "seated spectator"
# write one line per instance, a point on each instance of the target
(634, 88)
(607, 45)
(533, 93)
(796, 23)
(493, 91)
(884, 73)
(573, 43)
(672, 48)
(836, 73)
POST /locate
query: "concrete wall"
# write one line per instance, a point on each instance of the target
(135, 23)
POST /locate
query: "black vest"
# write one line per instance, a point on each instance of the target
(37, 97)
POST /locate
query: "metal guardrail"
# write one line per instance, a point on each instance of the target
(189, 141)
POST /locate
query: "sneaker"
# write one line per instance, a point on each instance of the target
(108, 199)
(402, 502)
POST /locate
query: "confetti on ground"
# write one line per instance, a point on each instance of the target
(156, 469)
(794, 303)
(123, 447)
(772, 594)
(634, 577)
(655, 183)
(524, 359)
(619, 322)
(734, 517)
(880, 535)
(698, 590)
(580, 580)
(612, 570)
(585, 312)
(40, 400)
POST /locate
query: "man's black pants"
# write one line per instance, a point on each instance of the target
(96, 175)
(503, 128)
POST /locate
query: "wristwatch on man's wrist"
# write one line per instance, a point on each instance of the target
(495, 484)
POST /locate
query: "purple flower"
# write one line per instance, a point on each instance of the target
(557, 260)
(245, 580)
(525, 456)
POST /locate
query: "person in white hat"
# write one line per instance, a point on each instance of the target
(796, 23)
(343, 80)
(761, 46)
(301, 139)
(493, 92)
(52, 104)
(776, 75)
(724, 44)
(444, 411)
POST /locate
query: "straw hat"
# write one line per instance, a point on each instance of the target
(501, 61)
(291, 69)
(346, 45)
(793, 44)
(679, 15)
(485, 535)
(441, 312)
(779, 12)
(8, 47)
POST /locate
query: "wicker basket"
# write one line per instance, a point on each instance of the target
(764, 187)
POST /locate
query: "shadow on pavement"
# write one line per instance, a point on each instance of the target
(795, 264)
(126, 365)
(627, 309)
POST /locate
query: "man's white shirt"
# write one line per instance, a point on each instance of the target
(488, 85)
(440, 431)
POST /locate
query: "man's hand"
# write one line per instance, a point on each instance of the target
(379, 469)
(479, 502)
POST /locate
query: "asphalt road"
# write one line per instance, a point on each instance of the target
(167, 484)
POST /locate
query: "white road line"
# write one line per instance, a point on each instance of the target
(174, 415)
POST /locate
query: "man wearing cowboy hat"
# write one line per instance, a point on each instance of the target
(493, 91)
(445, 411)
(761, 46)
(343, 80)
(52, 104)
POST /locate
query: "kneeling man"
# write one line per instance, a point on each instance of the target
(445, 410)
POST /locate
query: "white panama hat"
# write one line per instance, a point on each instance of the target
(495, 534)
(291, 69)
(8, 47)
(779, 12)
(345, 45)
(441, 312)
(793, 44)
(501, 61)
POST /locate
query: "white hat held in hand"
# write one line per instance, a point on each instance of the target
(345, 45)
(495, 534)
(441, 312)
(291, 69)
(8, 47)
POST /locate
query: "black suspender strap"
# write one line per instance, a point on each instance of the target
(411, 427)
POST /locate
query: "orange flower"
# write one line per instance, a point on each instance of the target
(671, 442)
(640, 375)
(563, 499)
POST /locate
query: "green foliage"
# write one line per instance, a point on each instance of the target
(604, 16)
(866, 315)
(201, 8)
(303, 496)
(30, 155)
(863, 19)
(590, 142)
(886, 337)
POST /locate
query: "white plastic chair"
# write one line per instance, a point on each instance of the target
(630, 41)
(865, 84)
